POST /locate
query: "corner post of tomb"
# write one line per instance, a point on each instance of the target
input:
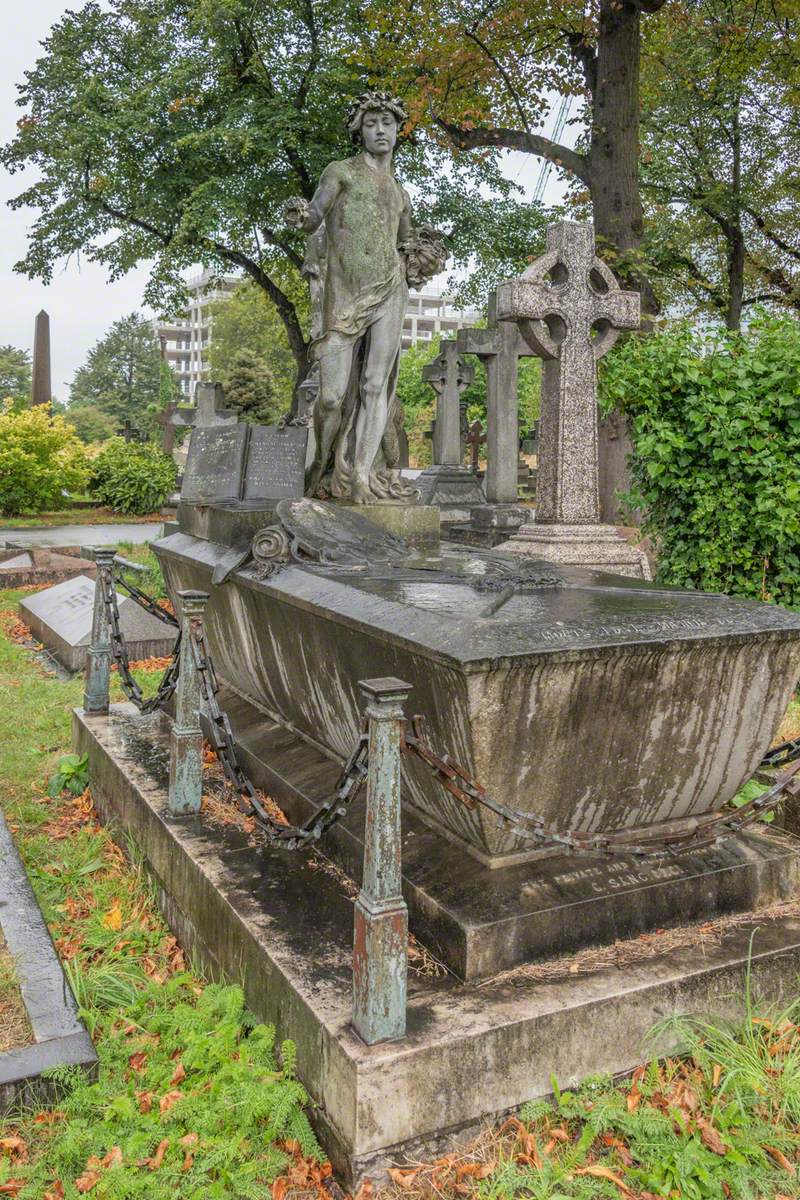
(98, 657)
(380, 949)
(186, 737)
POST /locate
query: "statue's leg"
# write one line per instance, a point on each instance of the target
(384, 344)
(334, 374)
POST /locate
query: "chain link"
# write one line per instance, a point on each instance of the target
(780, 756)
(143, 600)
(290, 837)
(119, 651)
(700, 832)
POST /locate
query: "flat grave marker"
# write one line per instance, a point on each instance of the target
(61, 619)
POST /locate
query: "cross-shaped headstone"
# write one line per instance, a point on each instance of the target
(210, 410)
(449, 376)
(570, 310)
(499, 347)
(476, 436)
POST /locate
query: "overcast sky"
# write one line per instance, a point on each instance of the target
(80, 301)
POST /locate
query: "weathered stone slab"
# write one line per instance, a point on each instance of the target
(276, 463)
(215, 466)
(286, 931)
(597, 702)
(19, 568)
(60, 1036)
(61, 619)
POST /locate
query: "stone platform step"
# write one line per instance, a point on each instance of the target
(283, 927)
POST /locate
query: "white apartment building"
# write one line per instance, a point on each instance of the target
(186, 339)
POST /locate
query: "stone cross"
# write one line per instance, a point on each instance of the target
(499, 347)
(173, 417)
(570, 310)
(210, 410)
(449, 376)
(41, 386)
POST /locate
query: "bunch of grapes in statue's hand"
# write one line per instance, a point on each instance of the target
(295, 212)
(426, 255)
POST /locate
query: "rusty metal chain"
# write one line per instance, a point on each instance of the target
(119, 652)
(143, 600)
(700, 832)
(780, 756)
(290, 837)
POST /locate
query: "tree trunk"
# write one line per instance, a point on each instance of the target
(736, 244)
(614, 144)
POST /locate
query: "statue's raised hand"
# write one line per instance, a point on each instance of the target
(295, 212)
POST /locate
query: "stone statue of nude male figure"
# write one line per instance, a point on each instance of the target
(368, 256)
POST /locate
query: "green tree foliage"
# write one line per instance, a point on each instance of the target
(41, 459)
(15, 375)
(132, 477)
(716, 467)
(172, 131)
(247, 322)
(419, 400)
(251, 389)
(721, 145)
(90, 423)
(122, 374)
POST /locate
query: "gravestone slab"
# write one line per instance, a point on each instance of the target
(61, 619)
(215, 466)
(19, 568)
(276, 459)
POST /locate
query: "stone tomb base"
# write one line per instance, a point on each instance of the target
(598, 547)
(283, 925)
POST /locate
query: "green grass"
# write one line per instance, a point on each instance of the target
(193, 1097)
(153, 581)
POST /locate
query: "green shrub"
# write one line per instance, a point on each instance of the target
(715, 422)
(132, 477)
(40, 460)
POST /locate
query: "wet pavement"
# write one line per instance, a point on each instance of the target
(81, 535)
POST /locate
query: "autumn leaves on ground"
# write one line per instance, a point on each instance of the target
(195, 1101)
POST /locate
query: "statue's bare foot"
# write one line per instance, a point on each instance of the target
(360, 492)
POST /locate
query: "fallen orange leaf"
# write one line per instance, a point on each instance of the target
(155, 1162)
(598, 1172)
(179, 1074)
(403, 1179)
(14, 1147)
(86, 1181)
(711, 1137)
(781, 1159)
(11, 1187)
(475, 1170)
(113, 918)
(169, 1101)
(113, 1158)
(138, 1061)
(189, 1139)
(365, 1191)
(280, 1187)
(56, 1192)
(145, 1101)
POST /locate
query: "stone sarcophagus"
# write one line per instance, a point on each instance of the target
(597, 702)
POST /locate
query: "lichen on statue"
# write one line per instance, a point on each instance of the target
(365, 255)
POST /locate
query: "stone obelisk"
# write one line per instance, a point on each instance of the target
(41, 386)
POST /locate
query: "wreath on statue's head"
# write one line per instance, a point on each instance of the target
(370, 101)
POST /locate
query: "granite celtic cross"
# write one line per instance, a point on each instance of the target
(570, 310)
(449, 376)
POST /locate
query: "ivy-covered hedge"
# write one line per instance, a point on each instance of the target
(133, 477)
(715, 423)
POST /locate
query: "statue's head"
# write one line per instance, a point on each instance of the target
(374, 120)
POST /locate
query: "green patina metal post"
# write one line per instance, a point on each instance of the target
(380, 950)
(98, 658)
(186, 738)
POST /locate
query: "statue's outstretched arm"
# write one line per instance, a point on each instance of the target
(299, 213)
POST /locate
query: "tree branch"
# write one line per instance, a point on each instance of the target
(585, 56)
(503, 75)
(313, 58)
(517, 139)
(771, 236)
